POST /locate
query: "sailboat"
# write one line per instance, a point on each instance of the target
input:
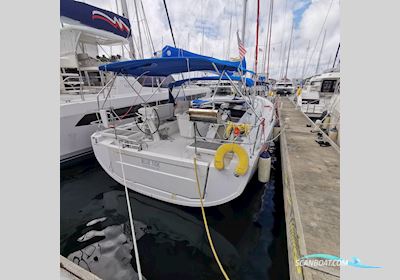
(179, 154)
(285, 85)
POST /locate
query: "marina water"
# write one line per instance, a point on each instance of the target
(249, 232)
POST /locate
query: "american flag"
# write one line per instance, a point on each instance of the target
(242, 50)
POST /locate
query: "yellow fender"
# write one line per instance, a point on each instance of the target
(241, 167)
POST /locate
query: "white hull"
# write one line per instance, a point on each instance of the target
(75, 138)
(165, 169)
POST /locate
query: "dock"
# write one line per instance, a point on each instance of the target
(311, 190)
(72, 271)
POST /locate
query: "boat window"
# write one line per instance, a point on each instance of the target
(92, 78)
(328, 86)
(224, 91)
(315, 85)
(149, 81)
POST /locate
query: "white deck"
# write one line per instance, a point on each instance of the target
(164, 169)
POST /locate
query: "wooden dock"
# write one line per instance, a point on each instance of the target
(72, 271)
(311, 182)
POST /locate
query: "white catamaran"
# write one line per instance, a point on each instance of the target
(179, 154)
(86, 32)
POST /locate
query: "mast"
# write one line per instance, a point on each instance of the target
(305, 60)
(202, 28)
(271, 10)
(320, 52)
(169, 22)
(244, 21)
(139, 32)
(290, 45)
(257, 27)
(266, 42)
(153, 50)
(337, 52)
(282, 61)
(202, 41)
(130, 41)
(282, 54)
(264, 58)
(229, 39)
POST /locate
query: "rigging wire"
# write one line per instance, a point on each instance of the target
(229, 38)
(169, 22)
(147, 27)
(337, 52)
(269, 37)
(257, 28)
(281, 54)
(138, 26)
(319, 35)
(138, 266)
(305, 60)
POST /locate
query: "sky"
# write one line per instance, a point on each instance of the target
(310, 18)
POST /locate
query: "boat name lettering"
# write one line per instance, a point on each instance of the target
(151, 163)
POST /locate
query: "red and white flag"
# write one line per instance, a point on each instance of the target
(242, 50)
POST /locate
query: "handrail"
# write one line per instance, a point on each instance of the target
(101, 90)
(241, 94)
(78, 81)
(72, 77)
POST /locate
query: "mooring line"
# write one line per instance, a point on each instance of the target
(139, 270)
(206, 224)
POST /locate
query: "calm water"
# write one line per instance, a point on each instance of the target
(248, 233)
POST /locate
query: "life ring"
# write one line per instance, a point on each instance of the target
(243, 165)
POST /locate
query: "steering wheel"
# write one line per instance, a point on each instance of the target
(145, 123)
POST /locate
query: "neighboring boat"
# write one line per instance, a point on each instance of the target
(161, 153)
(84, 30)
(223, 94)
(284, 86)
(331, 123)
(317, 93)
(262, 86)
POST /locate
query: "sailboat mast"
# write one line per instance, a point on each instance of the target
(139, 32)
(320, 52)
(305, 60)
(282, 61)
(169, 23)
(337, 52)
(202, 32)
(229, 39)
(264, 58)
(271, 10)
(244, 21)
(130, 41)
(290, 45)
(257, 27)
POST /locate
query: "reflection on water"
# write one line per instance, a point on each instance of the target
(248, 233)
(109, 257)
